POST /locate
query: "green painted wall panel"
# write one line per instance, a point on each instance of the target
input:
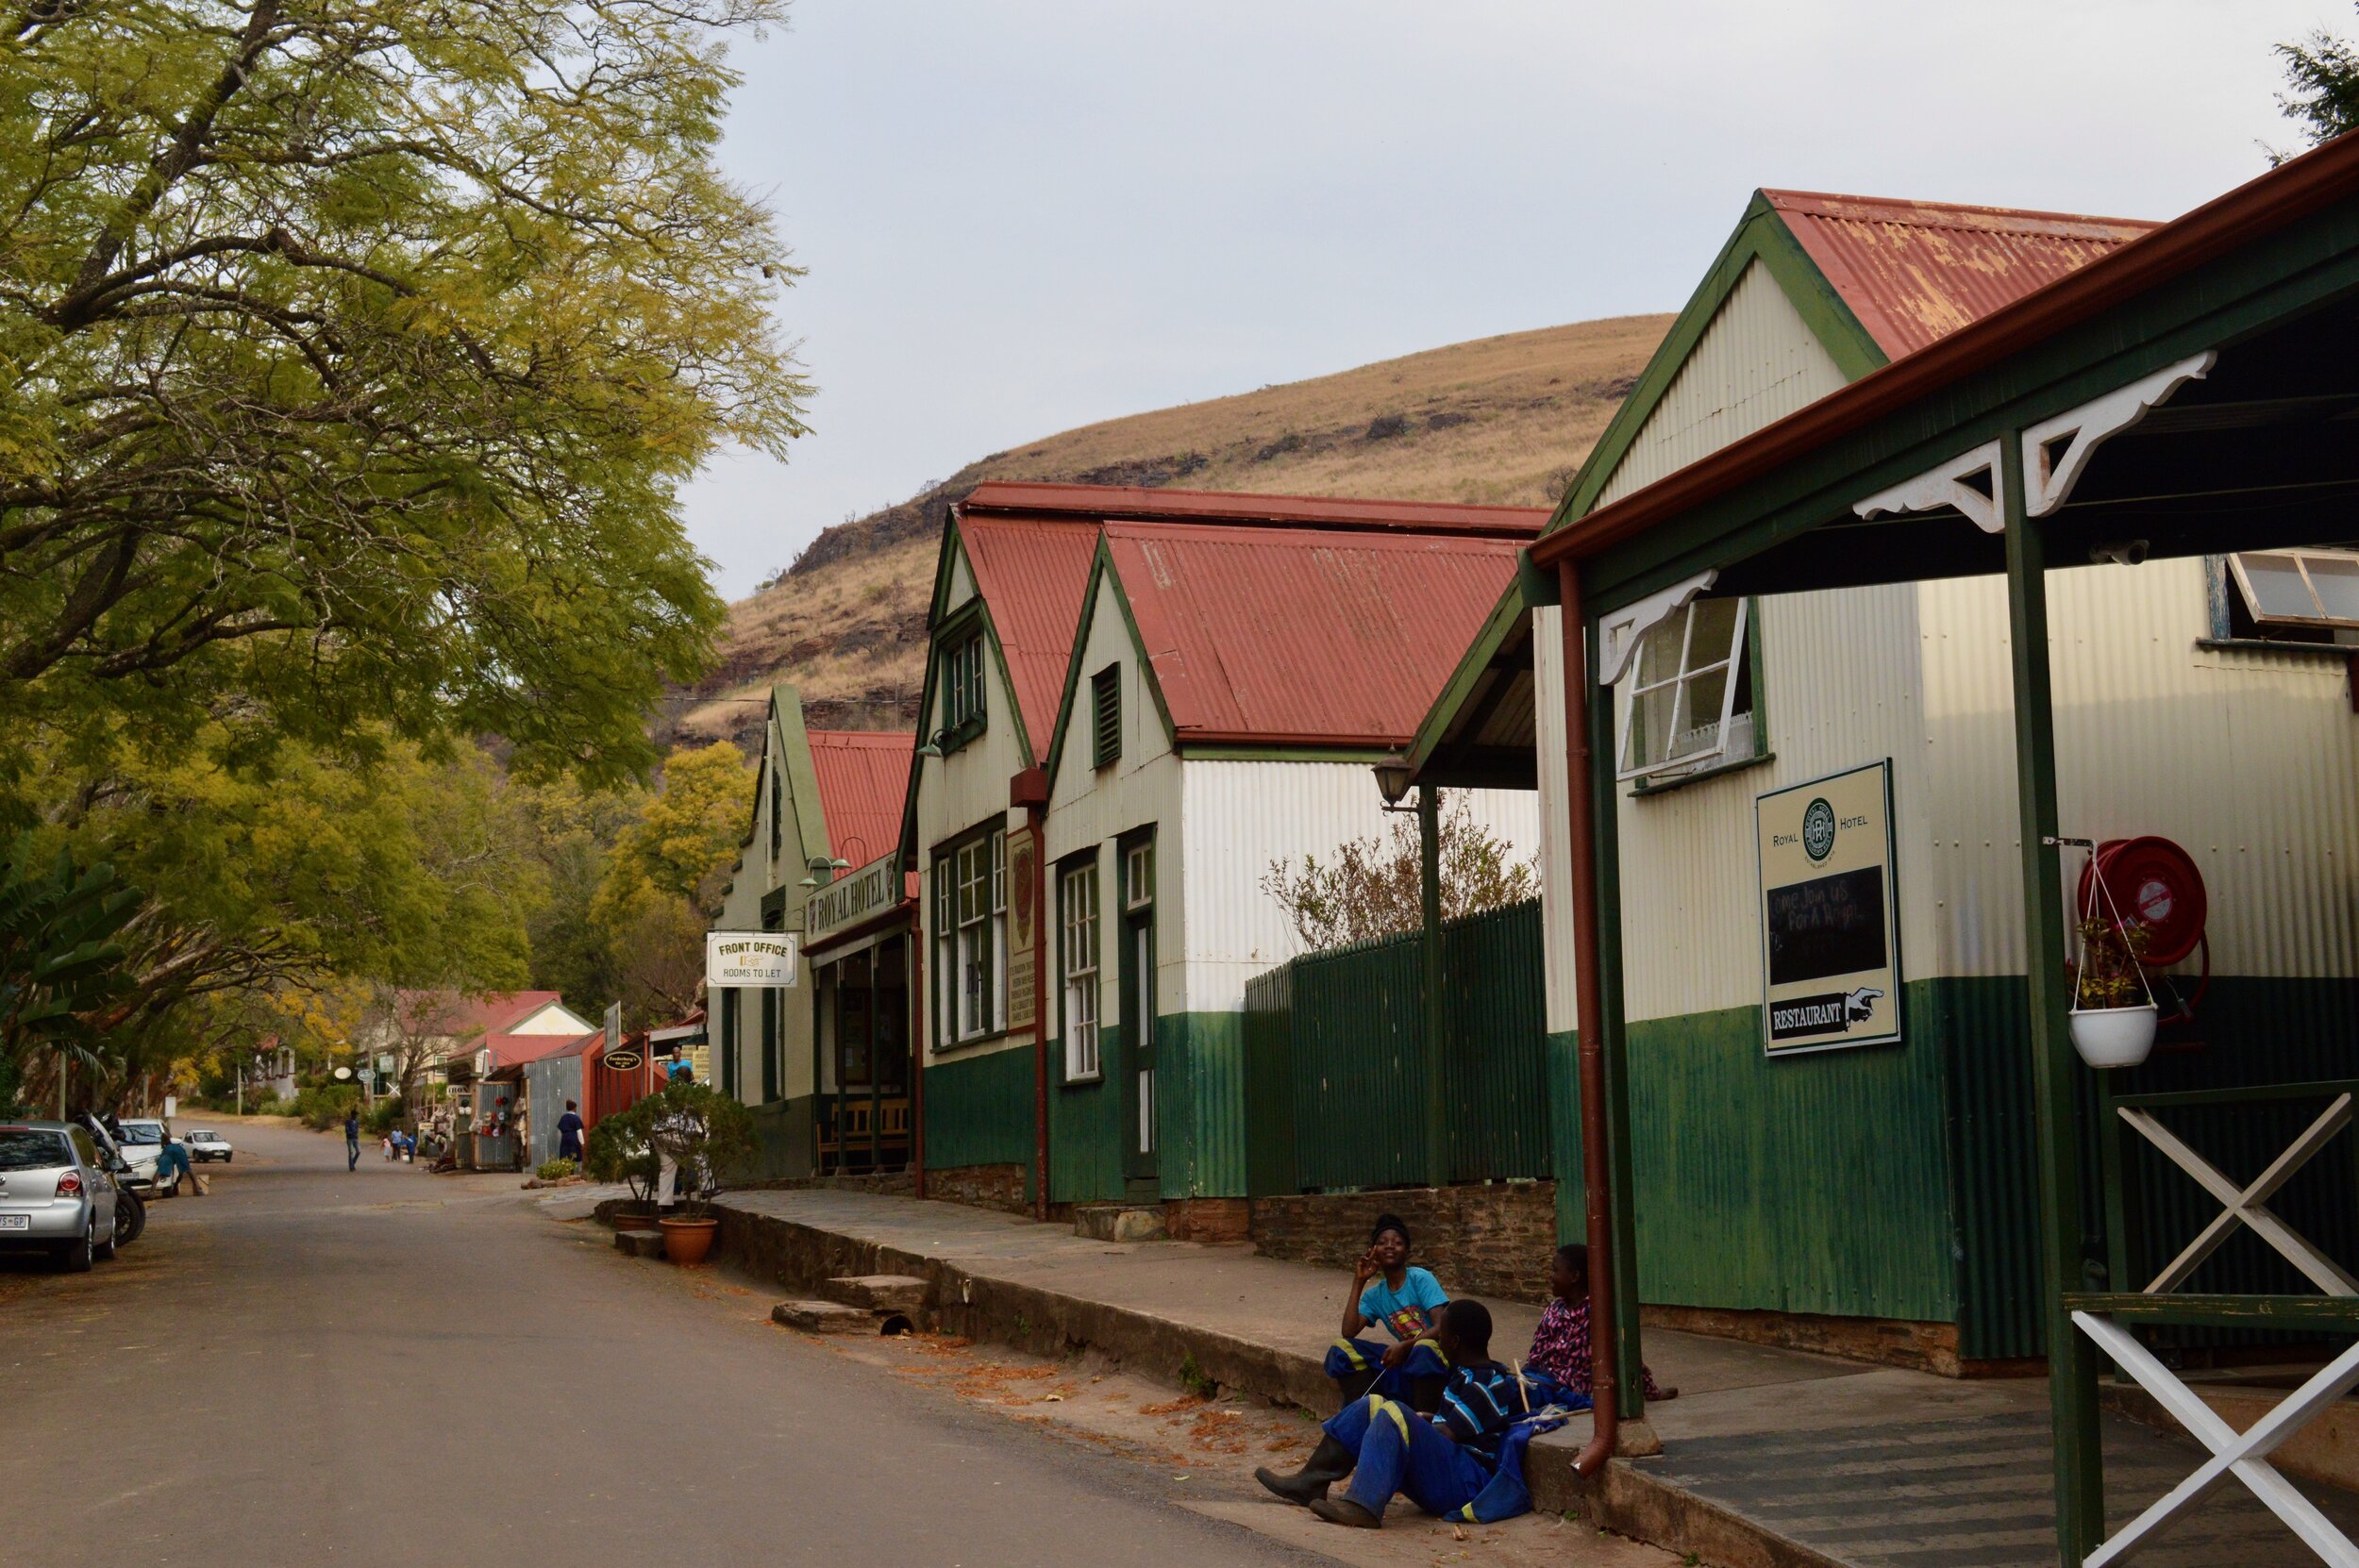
(1201, 1119)
(1267, 1042)
(1572, 1187)
(978, 1110)
(1085, 1133)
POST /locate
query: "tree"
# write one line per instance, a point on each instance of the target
(354, 352)
(1374, 885)
(2322, 75)
(662, 879)
(61, 963)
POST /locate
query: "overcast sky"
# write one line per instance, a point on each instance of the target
(1024, 215)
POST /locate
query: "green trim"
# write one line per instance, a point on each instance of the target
(2268, 645)
(1102, 570)
(1646, 789)
(802, 785)
(1761, 235)
(1235, 751)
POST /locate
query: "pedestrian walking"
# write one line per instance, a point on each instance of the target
(352, 1140)
(569, 1134)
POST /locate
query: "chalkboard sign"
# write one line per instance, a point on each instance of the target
(1830, 930)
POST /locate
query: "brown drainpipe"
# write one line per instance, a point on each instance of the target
(1590, 1020)
(921, 1016)
(1030, 790)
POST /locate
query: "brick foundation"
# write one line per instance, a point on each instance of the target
(1494, 1240)
(1891, 1341)
(1214, 1220)
(999, 1187)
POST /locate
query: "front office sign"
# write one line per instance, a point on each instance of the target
(749, 958)
(1829, 923)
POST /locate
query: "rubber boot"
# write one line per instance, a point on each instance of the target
(1343, 1510)
(1329, 1463)
(1425, 1394)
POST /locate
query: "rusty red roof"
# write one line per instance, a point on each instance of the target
(863, 781)
(1033, 572)
(1110, 503)
(1913, 272)
(1299, 636)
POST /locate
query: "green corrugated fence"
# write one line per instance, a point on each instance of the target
(1336, 1061)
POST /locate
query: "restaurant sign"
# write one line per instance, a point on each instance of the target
(853, 897)
(1830, 925)
(753, 959)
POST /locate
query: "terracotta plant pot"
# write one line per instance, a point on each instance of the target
(2114, 1037)
(688, 1240)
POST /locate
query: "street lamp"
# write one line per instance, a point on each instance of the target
(818, 863)
(1392, 776)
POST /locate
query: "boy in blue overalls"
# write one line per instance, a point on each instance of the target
(1386, 1290)
(1441, 1463)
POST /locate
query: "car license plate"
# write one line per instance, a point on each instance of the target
(16, 1222)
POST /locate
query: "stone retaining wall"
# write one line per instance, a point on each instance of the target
(999, 1187)
(1494, 1240)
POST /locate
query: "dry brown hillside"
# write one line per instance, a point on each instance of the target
(1501, 420)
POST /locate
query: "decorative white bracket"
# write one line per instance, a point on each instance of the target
(1946, 486)
(2244, 1454)
(1618, 633)
(2056, 450)
(2055, 453)
(2249, 1205)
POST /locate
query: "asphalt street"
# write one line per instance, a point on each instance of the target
(315, 1366)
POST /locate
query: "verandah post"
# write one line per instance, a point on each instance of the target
(2071, 1360)
(1429, 891)
(1613, 1040)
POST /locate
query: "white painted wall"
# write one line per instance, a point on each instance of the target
(756, 875)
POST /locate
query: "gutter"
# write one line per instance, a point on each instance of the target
(1030, 790)
(1605, 1395)
(2285, 195)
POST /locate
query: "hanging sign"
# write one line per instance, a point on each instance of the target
(1830, 923)
(749, 958)
(1023, 926)
(853, 897)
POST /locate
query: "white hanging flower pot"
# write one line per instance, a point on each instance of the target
(2114, 1037)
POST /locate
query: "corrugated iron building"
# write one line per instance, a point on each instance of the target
(1893, 1182)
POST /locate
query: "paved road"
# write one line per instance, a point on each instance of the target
(314, 1367)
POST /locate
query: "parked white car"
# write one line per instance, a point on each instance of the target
(142, 1144)
(203, 1146)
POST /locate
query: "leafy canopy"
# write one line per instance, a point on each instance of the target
(1373, 885)
(351, 354)
(2322, 81)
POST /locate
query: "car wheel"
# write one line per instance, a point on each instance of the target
(105, 1250)
(75, 1257)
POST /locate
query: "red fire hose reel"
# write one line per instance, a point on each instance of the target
(2157, 887)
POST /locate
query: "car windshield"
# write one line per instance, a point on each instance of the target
(32, 1149)
(143, 1132)
(207, 1136)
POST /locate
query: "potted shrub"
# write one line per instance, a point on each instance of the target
(705, 1135)
(2113, 1014)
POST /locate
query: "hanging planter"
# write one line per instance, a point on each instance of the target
(2114, 1015)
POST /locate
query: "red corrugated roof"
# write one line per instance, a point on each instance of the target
(1033, 572)
(863, 781)
(1110, 503)
(1914, 272)
(1303, 636)
(514, 1050)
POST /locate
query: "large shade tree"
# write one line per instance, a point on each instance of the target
(351, 354)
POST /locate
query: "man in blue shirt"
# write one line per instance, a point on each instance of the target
(1386, 1290)
(171, 1163)
(1441, 1463)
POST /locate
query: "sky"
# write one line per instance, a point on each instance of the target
(1019, 216)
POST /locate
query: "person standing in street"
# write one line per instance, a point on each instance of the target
(171, 1163)
(569, 1134)
(352, 1140)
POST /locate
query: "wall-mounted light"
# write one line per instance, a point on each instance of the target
(1392, 776)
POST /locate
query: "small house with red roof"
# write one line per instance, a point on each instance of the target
(826, 805)
(1137, 700)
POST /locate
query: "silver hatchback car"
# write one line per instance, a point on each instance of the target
(55, 1193)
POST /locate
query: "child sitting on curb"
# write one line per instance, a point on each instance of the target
(1386, 1290)
(1441, 1463)
(1560, 1346)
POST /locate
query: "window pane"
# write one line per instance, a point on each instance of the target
(1659, 650)
(2336, 579)
(1715, 625)
(1700, 721)
(1651, 727)
(2274, 588)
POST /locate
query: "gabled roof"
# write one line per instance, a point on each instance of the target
(1302, 637)
(863, 780)
(1913, 271)
(1029, 573)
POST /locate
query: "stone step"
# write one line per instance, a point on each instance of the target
(640, 1243)
(1119, 1222)
(824, 1317)
(877, 1292)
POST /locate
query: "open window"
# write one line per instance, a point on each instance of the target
(2293, 596)
(1687, 701)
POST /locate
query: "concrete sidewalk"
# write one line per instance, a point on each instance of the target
(1772, 1458)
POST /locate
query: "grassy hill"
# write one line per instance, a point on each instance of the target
(1501, 420)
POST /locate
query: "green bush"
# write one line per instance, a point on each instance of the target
(272, 1107)
(707, 1133)
(385, 1118)
(323, 1105)
(555, 1170)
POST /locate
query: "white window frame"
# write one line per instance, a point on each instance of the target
(978, 910)
(945, 951)
(1078, 936)
(1693, 665)
(2323, 620)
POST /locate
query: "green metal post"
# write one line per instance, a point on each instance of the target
(1430, 890)
(2072, 1364)
(1621, 1208)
